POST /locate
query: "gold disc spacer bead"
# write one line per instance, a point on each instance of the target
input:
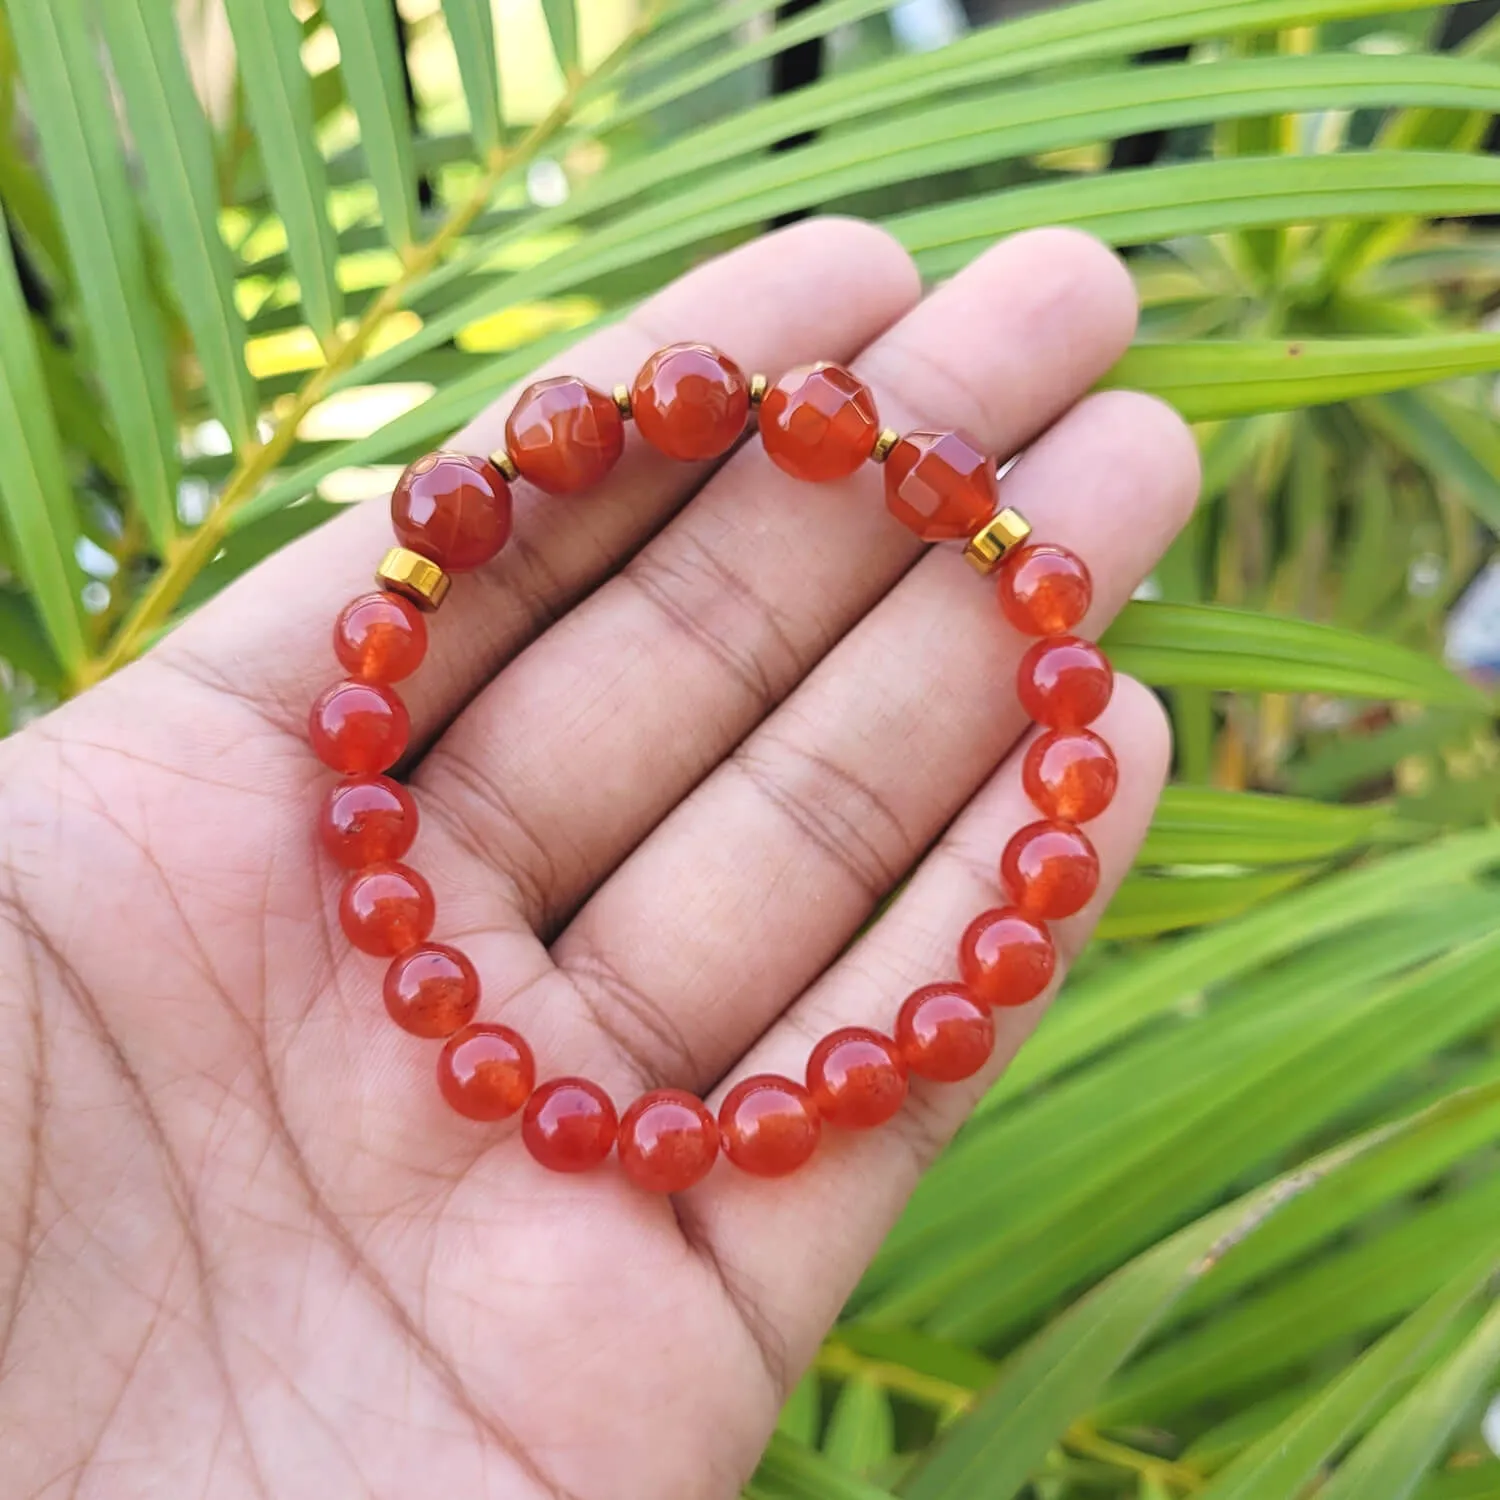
(887, 439)
(621, 394)
(414, 577)
(758, 384)
(506, 465)
(1002, 533)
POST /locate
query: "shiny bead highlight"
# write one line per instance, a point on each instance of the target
(668, 1141)
(486, 1072)
(1049, 869)
(857, 1078)
(769, 1125)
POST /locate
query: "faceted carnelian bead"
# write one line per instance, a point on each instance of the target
(940, 485)
(453, 508)
(1006, 958)
(1064, 682)
(1044, 590)
(486, 1072)
(368, 821)
(944, 1033)
(1070, 774)
(690, 401)
(360, 728)
(380, 637)
(432, 991)
(569, 1125)
(564, 435)
(387, 909)
(1049, 870)
(668, 1141)
(818, 423)
(769, 1125)
(856, 1078)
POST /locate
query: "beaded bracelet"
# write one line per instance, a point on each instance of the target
(452, 514)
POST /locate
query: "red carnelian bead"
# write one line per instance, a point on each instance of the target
(368, 821)
(453, 508)
(486, 1072)
(668, 1141)
(359, 728)
(569, 1125)
(856, 1078)
(1006, 958)
(380, 638)
(1070, 774)
(818, 422)
(1044, 590)
(944, 1033)
(940, 485)
(1064, 682)
(769, 1125)
(1049, 870)
(564, 435)
(690, 401)
(387, 909)
(432, 991)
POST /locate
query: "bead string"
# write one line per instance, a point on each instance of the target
(452, 513)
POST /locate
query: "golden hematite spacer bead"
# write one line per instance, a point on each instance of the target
(506, 465)
(887, 439)
(758, 384)
(1002, 533)
(414, 577)
(621, 394)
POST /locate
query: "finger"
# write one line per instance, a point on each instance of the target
(824, 285)
(798, 1245)
(654, 680)
(793, 843)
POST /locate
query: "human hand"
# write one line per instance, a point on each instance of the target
(672, 751)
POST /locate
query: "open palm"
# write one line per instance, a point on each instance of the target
(672, 750)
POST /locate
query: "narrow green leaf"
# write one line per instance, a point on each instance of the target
(471, 25)
(23, 636)
(861, 1431)
(75, 127)
(1455, 444)
(801, 1415)
(1204, 825)
(176, 149)
(799, 1473)
(562, 27)
(1147, 904)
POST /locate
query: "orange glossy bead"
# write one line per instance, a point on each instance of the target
(380, 637)
(359, 728)
(944, 1033)
(940, 485)
(432, 991)
(563, 435)
(818, 422)
(1006, 958)
(367, 821)
(1044, 590)
(690, 402)
(1064, 682)
(387, 909)
(569, 1125)
(857, 1078)
(453, 508)
(486, 1072)
(1049, 870)
(1070, 774)
(668, 1141)
(769, 1125)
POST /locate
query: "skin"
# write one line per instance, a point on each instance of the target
(672, 751)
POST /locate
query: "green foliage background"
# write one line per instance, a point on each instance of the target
(1229, 1226)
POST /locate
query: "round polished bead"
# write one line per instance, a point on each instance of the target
(769, 1125)
(563, 435)
(944, 1033)
(379, 637)
(569, 1125)
(387, 909)
(453, 508)
(1070, 774)
(1044, 590)
(940, 485)
(359, 728)
(486, 1072)
(856, 1078)
(1006, 958)
(690, 401)
(432, 991)
(668, 1141)
(1049, 870)
(1064, 682)
(367, 821)
(818, 422)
